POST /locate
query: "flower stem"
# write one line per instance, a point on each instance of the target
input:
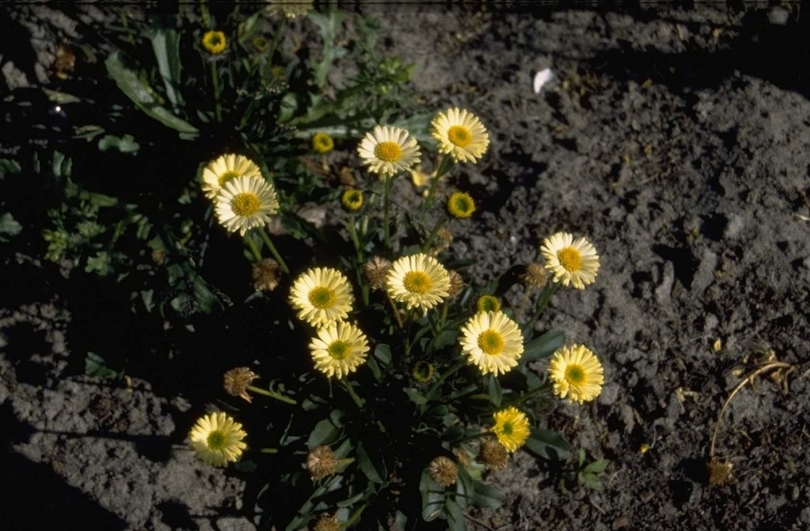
(354, 517)
(434, 232)
(269, 450)
(272, 394)
(387, 212)
(452, 370)
(217, 103)
(350, 223)
(529, 394)
(473, 436)
(257, 254)
(350, 389)
(444, 166)
(545, 295)
(394, 308)
(281, 263)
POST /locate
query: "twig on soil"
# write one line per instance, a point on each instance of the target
(746, 380)
(479, 522)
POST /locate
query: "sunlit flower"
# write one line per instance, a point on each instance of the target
(443, 471)
(387, 150)
(352, 200)
(321, 462)
(576, 373)
(214, 42)
(460, 205)
(266, 275)
(376, 271)
(290, 8)
(225, 169)
(571, 261)
(422, 371)
(488, 303)
(217, 439)
(322, 296)
(236, 382)
(493, 455)
(419, 281)
(245, 203)
(460, 134)
(322, 143)
(512, 428)
(339, 349)
(492, 341)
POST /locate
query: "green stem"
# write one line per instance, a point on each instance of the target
(350, 223)
(387, 213)
(444, 166)
(281, 263)
(434, 232)
(444, 314)
(350, 389)
(472, 437)
(545, 296)
(273, 46)
(269, 450)
(205, 16)
(126, 26)
(394, 309)
(254, 248)
(217, 103)
(272, 394)
(452, 370)
(526, 396)
(354, 517)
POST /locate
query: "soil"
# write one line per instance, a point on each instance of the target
(675, 140)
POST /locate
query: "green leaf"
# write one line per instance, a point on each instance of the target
(464, 487)
(100, 264)
(416, 396)
(375, 368)
(143, 97)
(94, 365)
(445, 339)
(547, 444)
(597, 467)
(8, 227)
(365, 464)
(166, 44)
(383, 353)
(127, 144)
(486, 496)
(432, 497)
(245, 466)
(543, 346)
(328, 26)
(324, 433)
(8, 166)
(495, 392)
(455, 517)
(60, 98)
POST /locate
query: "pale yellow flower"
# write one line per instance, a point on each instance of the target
(245, 203)
(512, 428)
(217, 439)
(460, 134)
(576, 373)
(214, 42)
(322, 296)
(224, 169)
(492, 341)
(571, 261)
(388, 149)
(339, 349)
(419, 281)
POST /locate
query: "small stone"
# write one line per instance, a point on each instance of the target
(620, 522)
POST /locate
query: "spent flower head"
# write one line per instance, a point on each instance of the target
(217, 439)
(512, 428)
(576, 373)
(535, 276)
(443, 471)
(460, 134)
(376, 272)
(236, 382)
(387, 150)
(419, 281)
(321, 462)
(456, 284)
(460, 205)
(322, 296)
(327, 522)
(493, 455)
(571, 261)
(266, 274)
(492, 341)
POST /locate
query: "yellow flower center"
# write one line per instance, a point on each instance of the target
(227, 176)
(322, 297)
(574, 375)
(217, 440)
(338, 349)
(459, 136)
(491, 342)
(569, 258)
(245, 204)
(417, 282)
(507, 429)
(388, 151)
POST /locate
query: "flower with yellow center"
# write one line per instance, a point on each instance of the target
(322, 143)
(460, 134)
(214, 42)
(322, 296)
(576, 373)
(419, 281)
(290, 8)
(245, 203)
(492, 341)
(460, 205)
(339, 349)
(225, 169)
(217, 439)
(387, 150)
(512, 428)
(423, 371)
(488, 303)
(571, 261)
(352, 200)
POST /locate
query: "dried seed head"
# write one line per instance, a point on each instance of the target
(265, 275)
(236, 382)
(326, 523)
(376, 271)
(456, 284)
(535, 276)
(321, 462)
(493, 455)
(158, 256)
(443, 239)
(443, 471)
(719, 472)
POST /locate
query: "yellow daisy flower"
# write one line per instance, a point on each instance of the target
(322, 143)
(460, 134)
(488, 303)
(322, 296)
(460, 205)
(290, 8)
(352, 200)
(224, 169)
(387, 150)
(339, 349)
(217, 439)
(512, 428)
(576, 373)
(419, 281)
(571, 261)
(214, 42)
(245, 203)
(492, 341)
